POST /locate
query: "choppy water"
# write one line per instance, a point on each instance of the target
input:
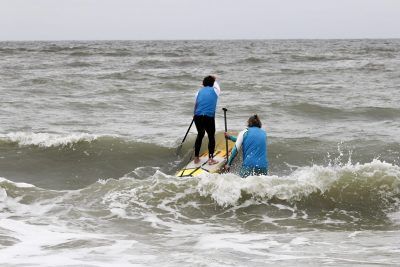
(89, 130)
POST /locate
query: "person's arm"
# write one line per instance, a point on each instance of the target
(195, 102)
(230, 137)
(236, 148)
(232, 157)
(217, 89)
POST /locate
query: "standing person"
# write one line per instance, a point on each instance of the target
(204, 117)
(254, 142)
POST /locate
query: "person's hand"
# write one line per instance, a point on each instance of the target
(227, 168)
(227, 136)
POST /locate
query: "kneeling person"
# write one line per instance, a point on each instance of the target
(254, 142)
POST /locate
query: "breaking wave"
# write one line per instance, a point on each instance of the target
(73, 161)
(354, 193)
(46, 139)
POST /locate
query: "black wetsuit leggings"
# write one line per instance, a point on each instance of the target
(204, 124)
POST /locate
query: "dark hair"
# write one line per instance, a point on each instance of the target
(254, 121)
(209, 81)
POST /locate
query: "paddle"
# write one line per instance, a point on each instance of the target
(178, 150)
(226, 130)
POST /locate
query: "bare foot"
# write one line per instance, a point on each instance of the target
(212, 161)
(196, 160)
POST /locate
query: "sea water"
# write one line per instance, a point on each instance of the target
(88, 138)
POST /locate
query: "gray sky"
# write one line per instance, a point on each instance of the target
(197, 19)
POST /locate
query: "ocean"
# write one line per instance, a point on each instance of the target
(88, 154)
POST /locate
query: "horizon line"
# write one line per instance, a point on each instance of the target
(206, 39)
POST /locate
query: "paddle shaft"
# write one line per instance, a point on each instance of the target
(190, 126)
(226, 130)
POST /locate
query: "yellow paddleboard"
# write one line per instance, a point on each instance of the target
(192, 169)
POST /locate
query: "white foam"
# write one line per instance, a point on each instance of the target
(226, 189)
(3, 194)
(20, 185)
(119, 212)
(395, 217)
(42, 245)
(354, 234)
(47, 139)
(300, 241)
(256, 244)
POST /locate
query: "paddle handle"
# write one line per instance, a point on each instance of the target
(226, 130)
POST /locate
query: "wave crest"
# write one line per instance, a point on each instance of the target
(375, 184)
(46, 139)
(354, 193)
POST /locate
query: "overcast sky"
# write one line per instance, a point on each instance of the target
(197, 19)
